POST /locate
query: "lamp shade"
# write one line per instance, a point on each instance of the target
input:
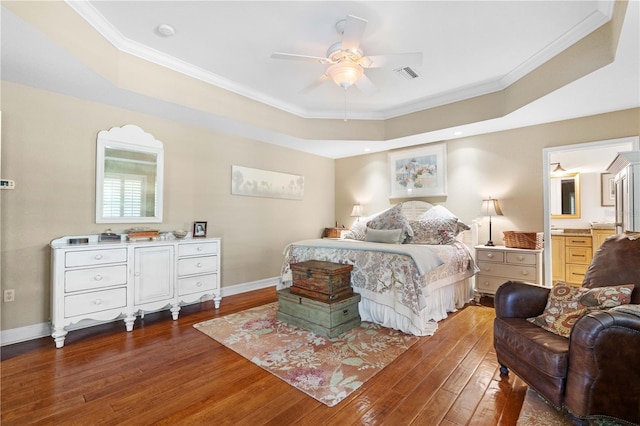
(356, 211)
(491, 207)
(345, 74)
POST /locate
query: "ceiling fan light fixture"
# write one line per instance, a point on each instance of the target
(345, 74)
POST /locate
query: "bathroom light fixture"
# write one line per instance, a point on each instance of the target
(491, 207)
(356, 211)
(558, 168)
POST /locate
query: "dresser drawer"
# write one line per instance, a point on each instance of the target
(196, 284)
(490, 256)
(197, 265)
(575, 274)
(521, 258)
(581, 255)
(578, 241)
(91, 278)
(96, 301)
(515, 272)
(197, 249)
(488, 284)
(95, 257)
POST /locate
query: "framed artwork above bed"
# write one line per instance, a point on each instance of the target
(418, 172)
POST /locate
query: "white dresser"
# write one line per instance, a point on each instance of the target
(107, 280)
(499, 264)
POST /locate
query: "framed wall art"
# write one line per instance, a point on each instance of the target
(199, 229)
(265, 183)
(419, 172)
(607, 190)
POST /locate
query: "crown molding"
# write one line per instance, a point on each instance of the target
(594, 21)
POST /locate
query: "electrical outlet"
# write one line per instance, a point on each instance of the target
(10, 295)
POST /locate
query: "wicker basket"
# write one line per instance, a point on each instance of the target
(524, 240)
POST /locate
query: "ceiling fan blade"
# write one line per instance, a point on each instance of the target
(295, 57)
(366, 86)
(315, 84)
(353, 32)
(393, 60)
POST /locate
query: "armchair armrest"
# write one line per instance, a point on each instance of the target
(516, 299)
(604, 374)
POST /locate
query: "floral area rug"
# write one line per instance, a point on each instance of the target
(327, 369)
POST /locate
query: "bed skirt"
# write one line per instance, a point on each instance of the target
(440, 302)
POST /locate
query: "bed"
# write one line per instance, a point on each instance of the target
(409, 286)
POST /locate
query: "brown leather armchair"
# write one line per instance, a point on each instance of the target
(596, 371)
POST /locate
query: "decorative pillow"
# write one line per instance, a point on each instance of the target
(393, 219)
(388, 236)
(566, 304)
(358, 231)
(436, 231)
(440, 212)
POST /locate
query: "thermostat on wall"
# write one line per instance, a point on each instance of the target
(7, 184)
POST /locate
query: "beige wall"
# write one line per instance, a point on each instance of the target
(505, 165)
(48, 147)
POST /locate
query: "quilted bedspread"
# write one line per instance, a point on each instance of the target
(398, 276)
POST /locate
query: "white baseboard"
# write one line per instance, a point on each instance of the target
(37, 331)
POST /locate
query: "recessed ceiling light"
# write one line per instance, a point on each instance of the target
(165, 30)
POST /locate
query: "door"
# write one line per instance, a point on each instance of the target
(153, 274)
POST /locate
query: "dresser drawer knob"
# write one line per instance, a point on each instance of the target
(520, 257)
(199, 284)
(199, 249)
(97, 257)
(490, 255)
(525, 272)
(97, 302)
(97, 278)
(198, 265)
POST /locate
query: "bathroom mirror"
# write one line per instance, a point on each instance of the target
(129, 170)
(565, 196)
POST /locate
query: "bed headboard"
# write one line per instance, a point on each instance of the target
(413, 209)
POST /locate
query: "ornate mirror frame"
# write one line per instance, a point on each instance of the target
(128, 156)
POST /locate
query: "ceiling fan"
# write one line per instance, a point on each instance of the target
(347, 61)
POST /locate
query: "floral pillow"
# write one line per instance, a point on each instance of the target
(440, 212)
(436, 231)
(393, 219)
(566, 304)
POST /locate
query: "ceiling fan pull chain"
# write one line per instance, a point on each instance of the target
(345, 104)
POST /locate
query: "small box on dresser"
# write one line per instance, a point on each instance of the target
(499, 264)
(328, 319)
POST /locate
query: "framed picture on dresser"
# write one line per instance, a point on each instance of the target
(199, 229)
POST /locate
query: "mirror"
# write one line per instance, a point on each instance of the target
(129, 170)
(565, 196)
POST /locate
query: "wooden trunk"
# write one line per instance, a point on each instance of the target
(321, 280)
(328, 319)
(322, 297)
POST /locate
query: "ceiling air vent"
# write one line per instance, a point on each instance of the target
(407, 73)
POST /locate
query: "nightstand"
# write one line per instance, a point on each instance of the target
(499, 264)
(334, 232)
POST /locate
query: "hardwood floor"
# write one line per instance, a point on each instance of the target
(166, 372)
